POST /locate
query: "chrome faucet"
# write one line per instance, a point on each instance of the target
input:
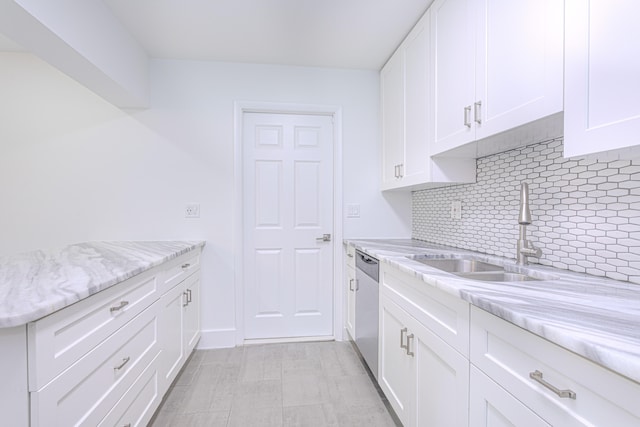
(525, 248)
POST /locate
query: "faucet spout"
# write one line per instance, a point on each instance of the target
(525, 248)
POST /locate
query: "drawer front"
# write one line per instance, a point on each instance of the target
(59, 340)
(139, 403)
(509, 354)
(444, 314)
(351, 256)
(87, 391)
(177, 270)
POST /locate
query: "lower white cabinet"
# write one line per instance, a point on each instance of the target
(351, 287)
(425, 379)
(558, 386)
(180, 325)
(492, 406)
(109, 359)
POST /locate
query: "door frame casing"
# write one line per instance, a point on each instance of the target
(240, 108)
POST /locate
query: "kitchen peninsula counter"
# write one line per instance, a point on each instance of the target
(37, 283)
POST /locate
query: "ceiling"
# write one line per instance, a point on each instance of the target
(359, 34)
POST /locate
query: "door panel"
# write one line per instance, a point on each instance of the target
(288, 205)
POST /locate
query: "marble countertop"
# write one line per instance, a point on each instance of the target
(594, 317)
(35, 284)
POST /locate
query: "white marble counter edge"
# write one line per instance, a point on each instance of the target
(52, 305)
(626, 363)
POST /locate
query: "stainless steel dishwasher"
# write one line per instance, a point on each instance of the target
(366, 326)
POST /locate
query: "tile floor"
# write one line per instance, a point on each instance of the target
(294, 384)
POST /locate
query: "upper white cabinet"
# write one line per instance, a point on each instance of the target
(602, 65)
(406, 118)
(496, 65)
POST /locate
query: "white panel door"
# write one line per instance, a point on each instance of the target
(288, 207)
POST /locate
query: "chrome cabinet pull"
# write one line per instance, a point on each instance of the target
(350, 255)
(351, 282)
(127, 425)
(351, 285)
(185, 299)
(188, 296)
(537, 376)
(396, 169)
(477, 112)
(467, 116)
(185, 266)
(401, 170)
(120, 366)
(402, 332)
(409, 352)
(119, 307)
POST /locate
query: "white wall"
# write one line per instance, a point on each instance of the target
(75, 168)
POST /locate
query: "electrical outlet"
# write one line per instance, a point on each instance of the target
(192, 210)
(456, 209)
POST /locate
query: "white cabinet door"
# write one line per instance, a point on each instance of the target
(172, 338)
(497, 64)
(602, 65)
(442, 376)
(519, 63)
(396, 368)
(425, 379)
(492, 406)
(415, 162)
(392, 93)
(452, 42)
(192, 313)
(351, 301)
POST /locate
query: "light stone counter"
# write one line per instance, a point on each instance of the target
(35, 284)
(595, 317)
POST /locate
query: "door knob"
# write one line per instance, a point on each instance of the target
(324, 238)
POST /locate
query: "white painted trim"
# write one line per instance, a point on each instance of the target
(217, 338)
(241, 107)
(287, 340)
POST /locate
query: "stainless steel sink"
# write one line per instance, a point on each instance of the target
(473, 269)
(458, 265)
(496, 276)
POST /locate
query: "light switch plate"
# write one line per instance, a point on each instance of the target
(353, 210)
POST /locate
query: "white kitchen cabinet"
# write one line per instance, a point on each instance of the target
(497, 64)
(424, 340)
(542, 376)
(425, 379)
(492, 406)
(351, 287)
(406, 119)
(602, 64)
(98, 361)
(180, 323)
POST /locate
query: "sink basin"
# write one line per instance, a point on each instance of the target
(473, 269)
(459, 265)
(496, 276)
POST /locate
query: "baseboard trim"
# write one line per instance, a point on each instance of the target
(217, 338)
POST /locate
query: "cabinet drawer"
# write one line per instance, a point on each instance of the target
(177, 270)
(508, 354)
(59, 340)
(139, 403)
(444, 314)
(88, 390)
